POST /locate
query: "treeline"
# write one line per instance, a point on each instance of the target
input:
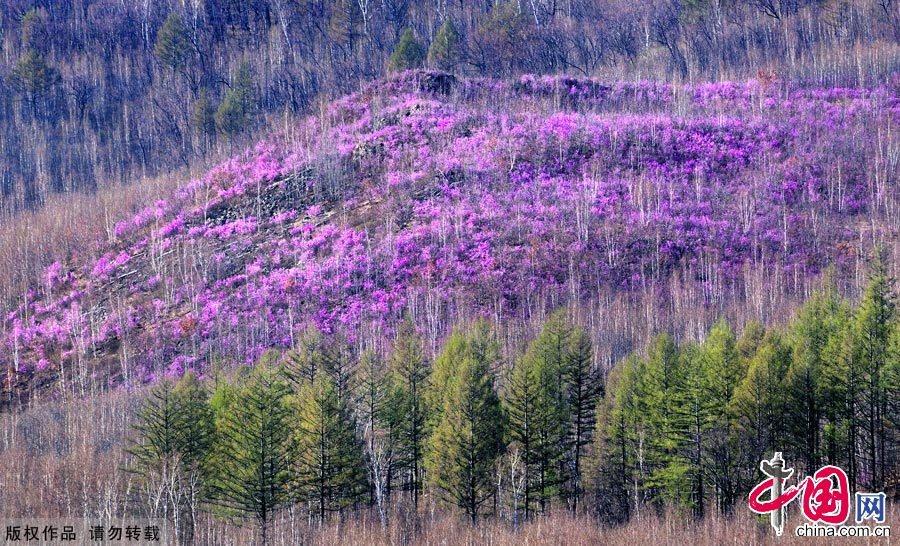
(94, 92)
(688, 424)
(328, 431)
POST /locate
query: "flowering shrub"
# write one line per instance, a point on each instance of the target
(543, 187)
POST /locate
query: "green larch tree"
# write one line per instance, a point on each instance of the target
(236, 108)
(584, 386)
(330, 469)
(445, 51)
(408, 53)
(871, 332)
(255, 458)
(723, 371)
(173, 44)
(811, 331)
(409, 375)
(372, 388)
(466, 445)
(667, 428)
(758, 403)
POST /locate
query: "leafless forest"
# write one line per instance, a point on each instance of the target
(498, 272)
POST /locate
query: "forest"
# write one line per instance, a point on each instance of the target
(318, 272)
(97, 93)
(320, 433)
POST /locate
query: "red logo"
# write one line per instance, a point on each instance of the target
(826, 494)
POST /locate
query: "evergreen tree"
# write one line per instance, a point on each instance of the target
(839, 381)
(234, 112)
(339, 361)
(466, 445)
(892, 387)
(175, 434)
(751, 338)
(35, 31)
(195, 427)
(173, 45)
(584, 387)
(202, 117)
(33, 77)
(444, 51)
(330, 467)
(537, 418)
(306, 358)
(343, 26)
(607, 475)
(155, 447)
(254, 459)
(723, 372)
(374, 403)
(445, 367)
(408, 53)
(699, 413)
(618, 445)
(409, 382)
(662, 404)
(810, 334)
(519, 405)
(871, 332)
(758, 403)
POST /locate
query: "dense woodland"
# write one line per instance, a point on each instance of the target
(102, 92)
(493, 272)
(323, 432)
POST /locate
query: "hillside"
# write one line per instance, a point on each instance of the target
(441, 198)
(96, 93)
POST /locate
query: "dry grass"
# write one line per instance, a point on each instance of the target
(65, 459)
(443, 529)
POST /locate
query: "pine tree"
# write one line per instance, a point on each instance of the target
(374, 403)
(35, 30)
(306, 358)
(870, 341)
(409, 375)
(175, 434)
(751, 338)
(519, 405)
(810, 334)
(607, 474)
(444, 51)
(195, 428)
(445, 367)
(466, 445)
(668, 429)
(155, 446)
(33, 76)
(892, 384)
(254, 460)
(537, 418)
(343, 26)
(584, 387)
(699, 413)
(173, 44)
(839, 381)
(202, 117)
(330, 467)
(723, 371)
(408, 53)
(758, 403)
(233, 114)
(621, 428)
(339, 361)
(156, 425)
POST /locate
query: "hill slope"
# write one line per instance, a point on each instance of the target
(443, 198)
